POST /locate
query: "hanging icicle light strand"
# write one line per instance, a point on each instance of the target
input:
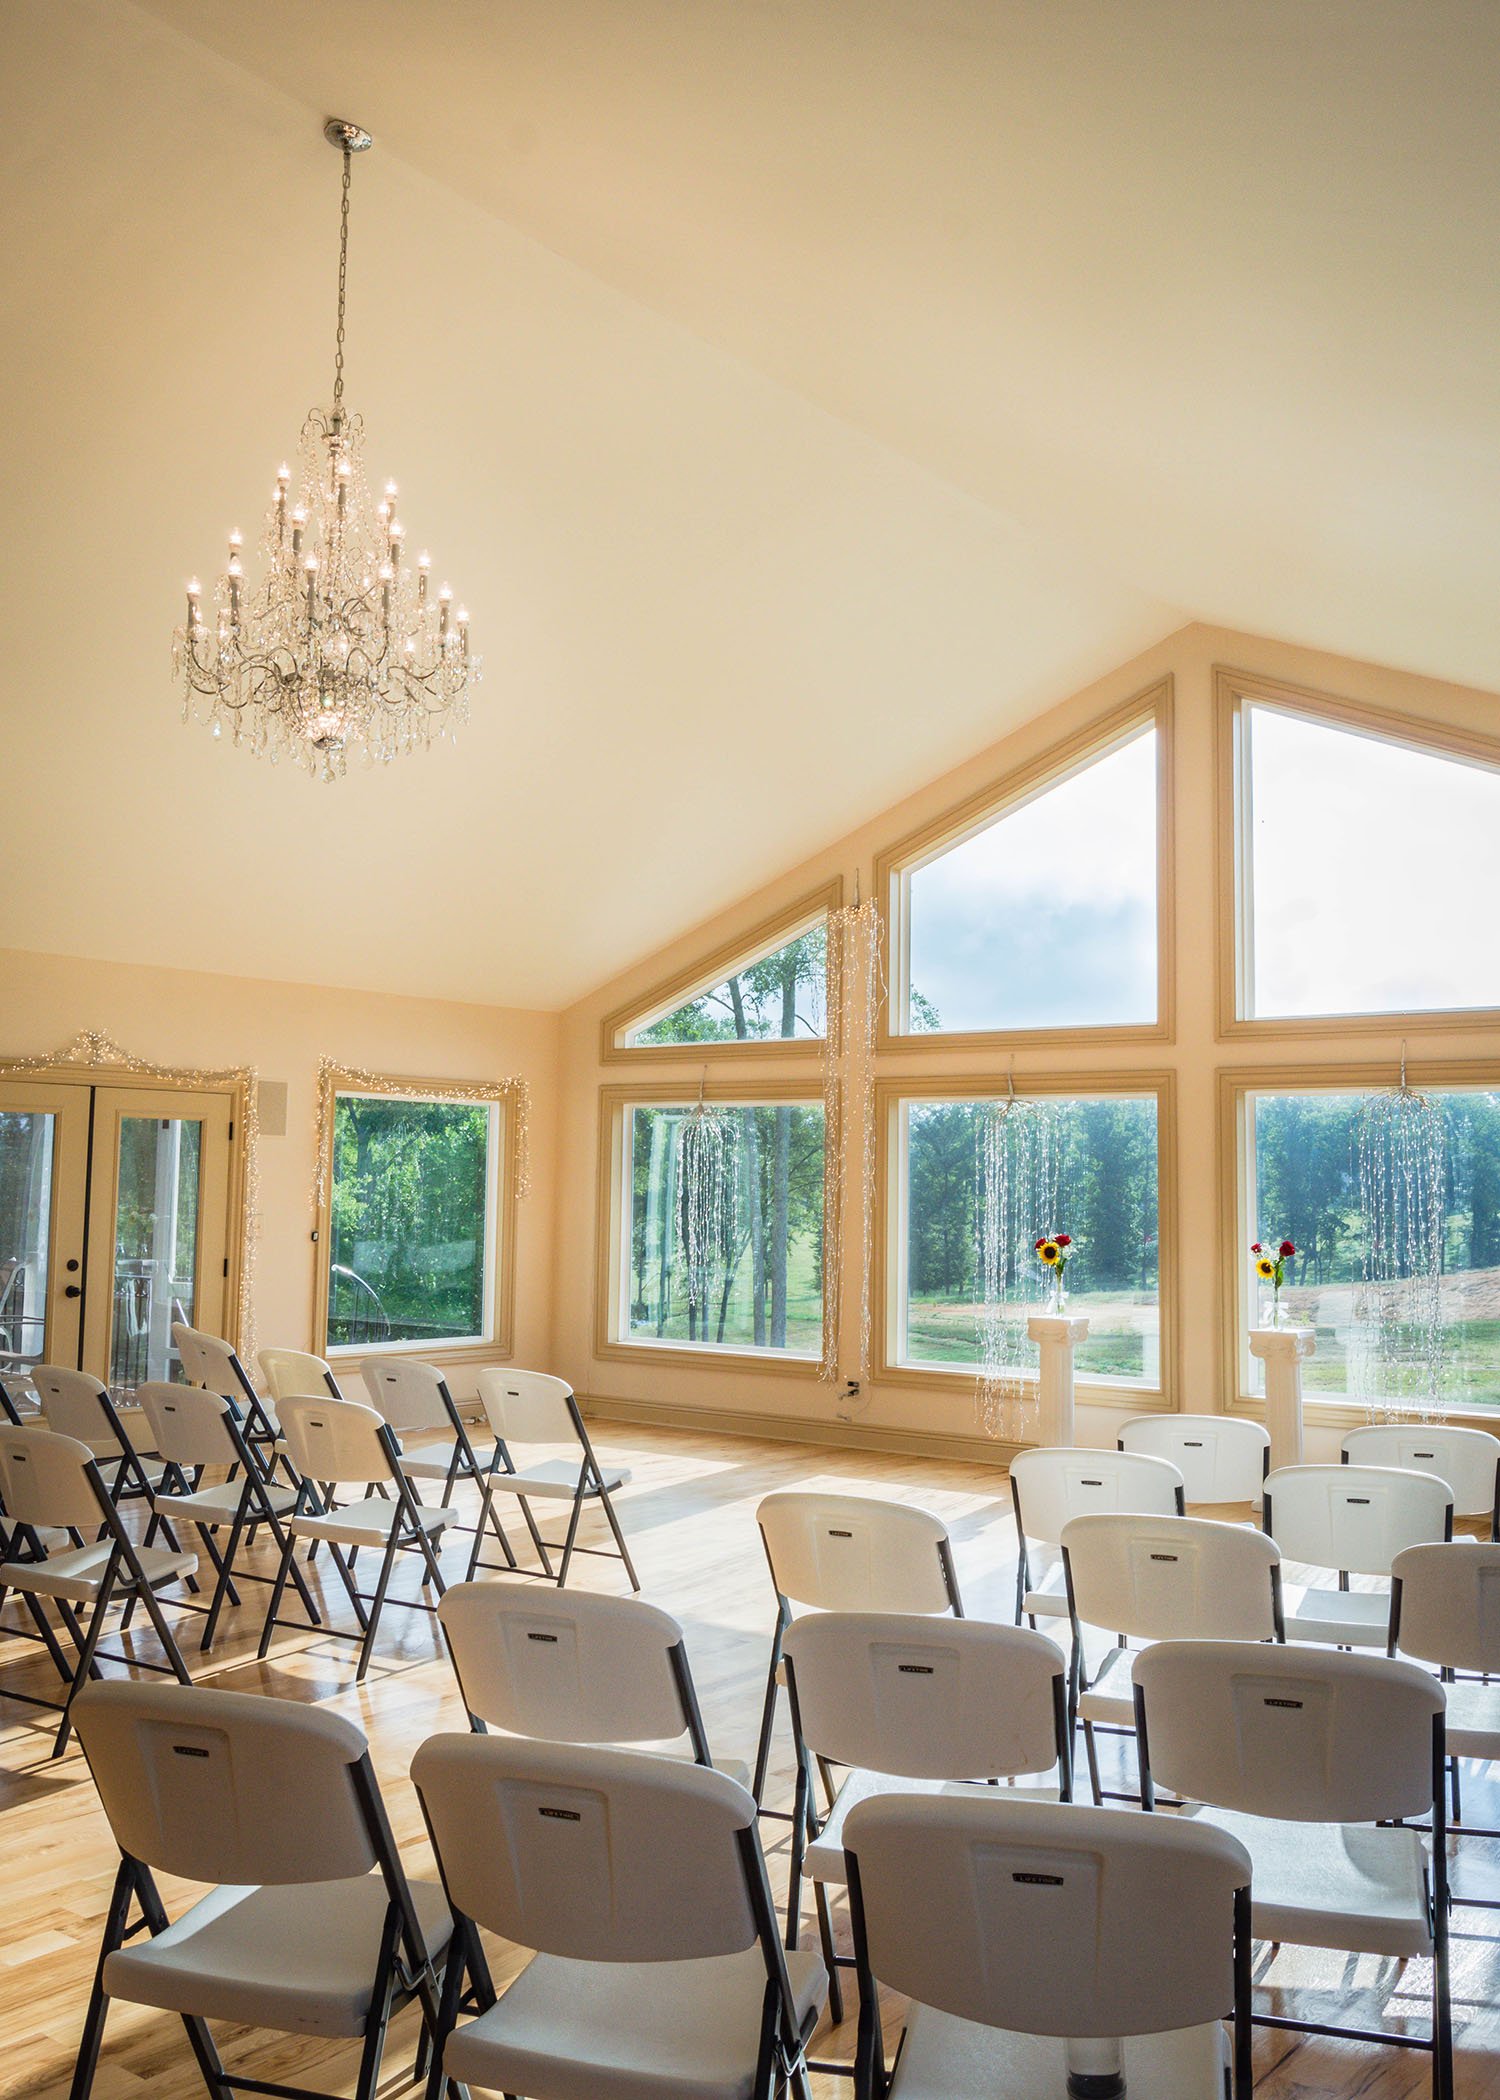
(1016, 1195)
(1397, 1351)
(708, 1199)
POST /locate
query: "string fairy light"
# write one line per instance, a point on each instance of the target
(855, 985)
(1397, 1353)
(1017, 1161)
(335, 1078)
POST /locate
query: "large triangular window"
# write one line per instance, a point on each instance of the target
(1042, 913)
(776, 993)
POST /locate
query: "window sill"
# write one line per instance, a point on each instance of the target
(779, 1362)
(471, 1352)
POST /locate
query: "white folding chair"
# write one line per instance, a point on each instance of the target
(1445, 1610)
(1355, 1519)
(640, 1883)
(76, 1404)
(573, 1668)
(531, 1407)
(311, 1929)
(1467, 1459)
(1050, 1485)
(52, 1482)
(1047, 1950)
(1222, 1458)
(432, 1436)
(847, 1553)
(347, 1444)
(208, 1360)
(1312, 1758)
(1158, 1579)
(910, 1706)
(293, 1374)
(192, 1429)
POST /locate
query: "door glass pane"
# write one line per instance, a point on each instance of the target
(156, 1244)
(25, 1229)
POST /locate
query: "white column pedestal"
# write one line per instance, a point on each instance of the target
(1283, 1351)
(1057, 1336)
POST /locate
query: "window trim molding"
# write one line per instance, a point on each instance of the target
(1235, 1082)
(1091, 1392)
(1234, 941)
(613, 1101)
(662, 998)
(499, 1344)
(1010, 790)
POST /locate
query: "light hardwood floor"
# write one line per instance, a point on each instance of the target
(689, 1514)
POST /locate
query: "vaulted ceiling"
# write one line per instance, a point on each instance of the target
(800, 393)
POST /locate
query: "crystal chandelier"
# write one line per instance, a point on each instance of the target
(344, 643)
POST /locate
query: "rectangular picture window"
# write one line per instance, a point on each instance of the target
(723, 1217)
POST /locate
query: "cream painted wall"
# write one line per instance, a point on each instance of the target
(184, 1017)
(1195, 1055)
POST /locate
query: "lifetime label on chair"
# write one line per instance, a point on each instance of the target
(1295, 1703)
(841, 1534)
(561, 1815)
(1041, 1881)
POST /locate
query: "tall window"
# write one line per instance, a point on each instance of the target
(1103, 1165)
(723, 1226)
(1303, 1181)
(777, 995)
(413, 1220)
(1044, 915)
(1366, 863)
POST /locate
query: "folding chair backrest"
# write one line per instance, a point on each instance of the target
(1450, 1605)
(409, 1394)
(45, 1480)
(527, 1407)
(1307, 1735)
(336, 1440)
(1222, 1458)
(293, 1373)
(226, 1786)
(853, 1553)
(594, 1855)
(1172, 1578)
(1047, 1919)
(1052, 1486)
(188, 1424)
(77, 1404)
(209, 1361)
(569, 1666)
(924, 1698)
(1357, 1518)
(1467, 1459)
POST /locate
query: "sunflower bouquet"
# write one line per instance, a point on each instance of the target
(1271, 1269)
(1054, 1250)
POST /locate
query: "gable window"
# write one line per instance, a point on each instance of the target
(720, 1226)
(1043, 909)
(1365, 864)
(413, 1221)
(780, 995)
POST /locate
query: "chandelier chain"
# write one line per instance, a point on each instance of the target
(338, 340)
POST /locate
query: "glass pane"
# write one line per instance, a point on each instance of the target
(1106, 1170)
(781, 995)
(26, 1142)
(409, 1206)
(1340, 926)
(156, 1246)
(726, 1227)
(1306, 1187)
(1047, 918)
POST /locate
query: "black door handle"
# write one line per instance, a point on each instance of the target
(72, 1290)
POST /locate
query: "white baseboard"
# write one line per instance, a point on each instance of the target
(800, 1429)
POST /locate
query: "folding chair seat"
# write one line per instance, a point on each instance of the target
(347, 1444)
(310, 1927)
(51, 1482)
(193, 1429)
(531, 1408)
(847, 1553)
(432, 1437)
(208, 1360)
(1051, 1485)
(908, 1707)
(1158, 1579)
(1355, 1519)
(76, 1404)
(1028, 1939)
(1467, 1459)
(1222, 1458)
(1312, 1759)
(579, 1668)
(1445, 1610)
(640, 1883)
